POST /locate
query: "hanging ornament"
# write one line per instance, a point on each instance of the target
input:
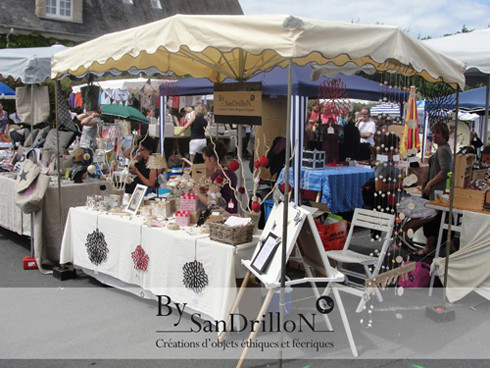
(140, 258)
(96, 247)
(195, 277)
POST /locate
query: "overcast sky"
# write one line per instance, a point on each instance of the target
(420, 18)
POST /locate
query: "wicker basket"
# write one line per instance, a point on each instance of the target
(231, 234)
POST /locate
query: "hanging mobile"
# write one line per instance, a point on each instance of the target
(139, 256)
(96, 246)
(195, 276)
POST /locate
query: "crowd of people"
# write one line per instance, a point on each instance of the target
(348, 136)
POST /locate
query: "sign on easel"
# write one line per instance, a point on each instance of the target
(265, 265)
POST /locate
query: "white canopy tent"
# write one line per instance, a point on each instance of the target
(473, 49)
(391, 109)
(32, 66)
(149, 86)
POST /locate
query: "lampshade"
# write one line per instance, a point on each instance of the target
(156, 161)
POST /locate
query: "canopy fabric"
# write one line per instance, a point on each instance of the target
(31, 65)
(472, 48)
(390, 109)
(242, 46)
(473, 100)
(136, 85)
(275, 82)
(6, 92)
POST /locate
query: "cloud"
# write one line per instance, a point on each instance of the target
(421, 18)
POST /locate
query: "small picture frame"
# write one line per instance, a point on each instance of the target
(136, 199)
(265, 253)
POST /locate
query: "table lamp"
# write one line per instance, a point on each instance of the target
(156, 161)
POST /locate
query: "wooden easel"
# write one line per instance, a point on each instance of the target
(304, 239)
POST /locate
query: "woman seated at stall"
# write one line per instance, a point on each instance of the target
(145, 176)
(223, 180)
(440, 163)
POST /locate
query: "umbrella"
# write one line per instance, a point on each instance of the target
(410, 144)
(123, 111)
(6, 92)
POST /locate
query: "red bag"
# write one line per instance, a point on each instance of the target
(332, 235)
(418, 278)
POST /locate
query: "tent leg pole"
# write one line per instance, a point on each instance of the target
(58, 161)
(487, 97)
(284, 240)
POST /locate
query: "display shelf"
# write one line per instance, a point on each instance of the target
(463, 170)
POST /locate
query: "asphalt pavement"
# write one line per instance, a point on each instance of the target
(82, 323)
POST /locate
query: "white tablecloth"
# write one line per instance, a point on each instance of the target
(47, 225)
(167, 250)
(468, 268)
(11, 217)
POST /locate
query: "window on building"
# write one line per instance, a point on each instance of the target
(155, 4)
(59, 9)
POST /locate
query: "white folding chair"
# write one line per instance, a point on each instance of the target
(368, 219)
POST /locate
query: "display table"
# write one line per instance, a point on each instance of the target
(468, 267)
(340, 186)
(11, 217)
(47, 226)
(168, 251)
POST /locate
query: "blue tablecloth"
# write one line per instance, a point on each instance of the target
(340, 186)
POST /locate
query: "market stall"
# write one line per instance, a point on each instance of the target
(176, 44)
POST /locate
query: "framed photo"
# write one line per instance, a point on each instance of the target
(266, 252)
(136, 199)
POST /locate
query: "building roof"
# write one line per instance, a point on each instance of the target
(101, 16)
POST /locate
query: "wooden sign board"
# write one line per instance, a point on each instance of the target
(238, 103)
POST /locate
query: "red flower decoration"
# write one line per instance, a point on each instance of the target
(257, 164)
(283, 186)
(264, 161)
(255, 206)
(241, 190)
(234, 165)
(140, 258)
(218, 180)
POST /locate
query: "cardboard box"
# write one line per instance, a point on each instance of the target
(177, 131)
(468, 199)
(200, 171)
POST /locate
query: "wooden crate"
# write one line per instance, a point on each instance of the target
(468, 199)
